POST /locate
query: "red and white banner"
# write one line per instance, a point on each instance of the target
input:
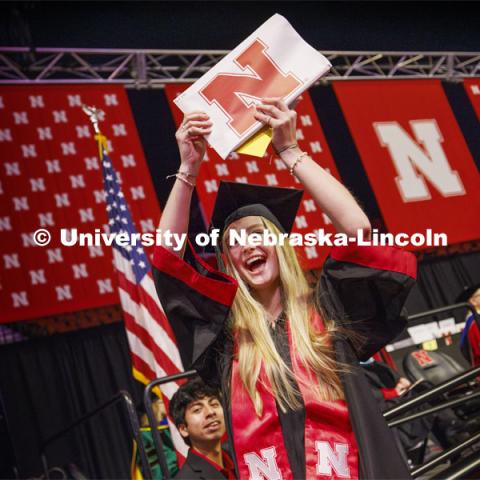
(270, 171)
(472, 87)
(415, 156)
(51, 178)
(274, 61)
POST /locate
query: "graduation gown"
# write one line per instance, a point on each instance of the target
(361, 288)
(470, 342)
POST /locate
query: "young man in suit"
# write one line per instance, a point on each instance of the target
(197, 411)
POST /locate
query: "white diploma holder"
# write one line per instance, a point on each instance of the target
(274, 61)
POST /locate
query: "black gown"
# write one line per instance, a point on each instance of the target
(363, 289)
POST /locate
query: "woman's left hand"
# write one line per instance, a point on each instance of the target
(283, 120)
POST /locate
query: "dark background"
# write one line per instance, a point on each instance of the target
(386, 26)
(46, 383)
(402, 26)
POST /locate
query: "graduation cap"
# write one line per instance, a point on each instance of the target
(238, 200)
(466, 293)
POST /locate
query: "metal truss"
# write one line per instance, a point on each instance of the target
(155, 68)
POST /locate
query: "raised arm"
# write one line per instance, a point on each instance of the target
(196, 305)
(191, 145)
(329, 194)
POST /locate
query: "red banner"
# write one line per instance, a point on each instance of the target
(472, 87)
(270, 171)
(415, 156)
(51, 178)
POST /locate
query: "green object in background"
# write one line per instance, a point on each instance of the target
(168, 451)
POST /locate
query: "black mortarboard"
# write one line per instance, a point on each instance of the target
(466, 293)
(238, 200)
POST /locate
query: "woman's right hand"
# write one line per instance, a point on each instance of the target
(191, 141)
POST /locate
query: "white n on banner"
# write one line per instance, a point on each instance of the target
(415, 156)
(409, 158)
(274, 61)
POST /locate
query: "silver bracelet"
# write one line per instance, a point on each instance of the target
(285, 148)
(187, 174)
(181, 176)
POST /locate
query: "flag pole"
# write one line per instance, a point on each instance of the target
(94, 116)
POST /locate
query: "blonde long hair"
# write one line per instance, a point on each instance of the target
(256, 346)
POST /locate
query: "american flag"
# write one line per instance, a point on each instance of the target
(152, 343)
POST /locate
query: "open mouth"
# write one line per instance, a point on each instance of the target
(213, 425)
(255, 263)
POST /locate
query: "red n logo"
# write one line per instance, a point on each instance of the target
(235, 93)
(423, 358)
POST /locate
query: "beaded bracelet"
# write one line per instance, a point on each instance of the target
(296, 162)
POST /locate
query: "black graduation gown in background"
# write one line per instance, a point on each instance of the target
(363, 293)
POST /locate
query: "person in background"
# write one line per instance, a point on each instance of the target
(390, 388)
(387, 381)
(470, 341)
(158, 408)
(198, 414)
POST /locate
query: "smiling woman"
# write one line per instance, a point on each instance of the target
(256, 265)
(284, 355)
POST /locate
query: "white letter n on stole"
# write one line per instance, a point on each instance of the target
(265, 467)
(328, 459)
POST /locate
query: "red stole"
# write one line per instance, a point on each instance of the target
(330, 446)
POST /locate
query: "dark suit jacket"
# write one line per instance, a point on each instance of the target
(196, 468)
